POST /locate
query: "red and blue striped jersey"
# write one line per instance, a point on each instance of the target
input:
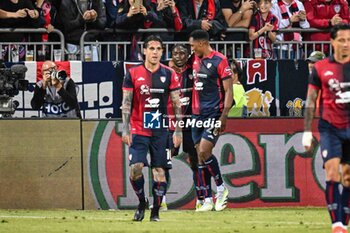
(150, 94)
(333, 79)
(208, 93)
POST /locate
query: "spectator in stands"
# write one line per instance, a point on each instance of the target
(290, 14)
(56, 94)
(79, 16)
(16, 14)
(324, 14)
(168, 17)
(202, 14)
(111, 12)
(238, 14)
(48, 19)
(262, 29)
(314, 57)
(133, 17)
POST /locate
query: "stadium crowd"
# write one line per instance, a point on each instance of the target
(263, 19)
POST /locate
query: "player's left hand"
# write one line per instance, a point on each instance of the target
(307, 140)
(223, 124)
(177, 139)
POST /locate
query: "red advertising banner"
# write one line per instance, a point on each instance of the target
(263, 164)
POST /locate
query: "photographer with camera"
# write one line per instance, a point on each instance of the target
(55, 93)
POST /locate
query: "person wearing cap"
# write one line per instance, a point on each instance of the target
(314, 57)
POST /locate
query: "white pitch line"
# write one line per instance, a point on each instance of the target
(165, 220)
(59, 218)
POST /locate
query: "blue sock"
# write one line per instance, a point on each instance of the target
(213, 168)
(137, 185)
(197, 185)
(203, 175)
(207, 177)
(167, 178)
(333, 201)
(158, 191)
(345, 205)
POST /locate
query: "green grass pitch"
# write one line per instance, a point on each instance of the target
(261, 220)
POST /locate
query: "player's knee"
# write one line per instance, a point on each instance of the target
(158, 174)
(346, 179)
(136, 171)
(203, 155)
(333, 174)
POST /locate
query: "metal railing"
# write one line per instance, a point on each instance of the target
(119, 50)
(36, 48)
(232, 49)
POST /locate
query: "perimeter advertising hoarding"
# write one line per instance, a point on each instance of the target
(263, 164)
(40, 164)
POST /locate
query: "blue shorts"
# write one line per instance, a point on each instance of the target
(155, 144)
(335, 143)
(209, 133)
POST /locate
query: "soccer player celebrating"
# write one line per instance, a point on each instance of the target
(211, 101)
(179, 62)
(146, 90)
(331, 78)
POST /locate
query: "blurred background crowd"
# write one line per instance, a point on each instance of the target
(268, 29)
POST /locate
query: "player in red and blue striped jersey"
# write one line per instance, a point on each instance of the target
(330, 78)
(211, 102)
(146, 90)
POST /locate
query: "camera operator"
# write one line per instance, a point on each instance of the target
(55, 93)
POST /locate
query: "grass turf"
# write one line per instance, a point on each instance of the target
(271, 220)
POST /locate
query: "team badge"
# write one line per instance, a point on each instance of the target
(162, 79)
(324, 153)
(337, 8)
(209, 65)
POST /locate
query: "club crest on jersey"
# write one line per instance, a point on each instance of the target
(337, 8)
(209, 65)
(162, 79)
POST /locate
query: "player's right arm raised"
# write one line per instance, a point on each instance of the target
(126, 112)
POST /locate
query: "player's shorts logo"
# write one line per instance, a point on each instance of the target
(152, 120)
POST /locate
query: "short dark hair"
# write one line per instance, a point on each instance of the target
(152, 38)
(179, 46)
(200, 34)
(339, 27)
(237, 70)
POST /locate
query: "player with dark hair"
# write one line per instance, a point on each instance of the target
(211, 101)
(179, 62)
(331, 78)
(146, 91)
